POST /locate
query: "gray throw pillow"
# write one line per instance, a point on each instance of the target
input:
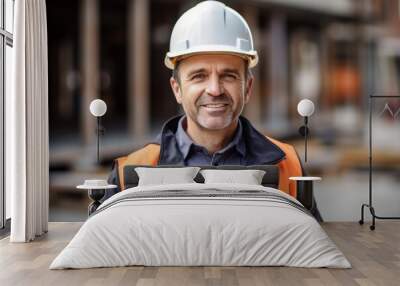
(162, 176)
(248, 177)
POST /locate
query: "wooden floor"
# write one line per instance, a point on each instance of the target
(374, 255)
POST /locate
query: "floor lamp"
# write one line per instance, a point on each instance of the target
(305, 183)
(305, 108)
(98, 108)
(96, 187)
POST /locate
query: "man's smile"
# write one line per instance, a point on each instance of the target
(215, 107)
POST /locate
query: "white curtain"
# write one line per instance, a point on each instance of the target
(27, 144)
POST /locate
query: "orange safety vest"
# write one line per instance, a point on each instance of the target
(149, 155)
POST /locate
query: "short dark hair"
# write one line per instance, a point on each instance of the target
(175, 72)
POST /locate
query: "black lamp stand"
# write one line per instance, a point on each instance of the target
(99, 132)
(304, 131)
(305, 137)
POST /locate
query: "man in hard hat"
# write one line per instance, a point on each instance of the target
(211, 54)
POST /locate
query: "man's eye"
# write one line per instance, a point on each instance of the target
(230, 76)
(198, 76)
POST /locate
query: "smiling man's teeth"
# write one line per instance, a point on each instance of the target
(215, 105)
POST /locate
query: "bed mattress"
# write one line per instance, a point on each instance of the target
(201, 225)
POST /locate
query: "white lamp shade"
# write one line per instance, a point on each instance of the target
(98, 107)
(305, 107)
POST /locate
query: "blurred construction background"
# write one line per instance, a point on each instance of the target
(335, 53)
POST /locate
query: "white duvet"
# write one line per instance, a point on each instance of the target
(210, 229)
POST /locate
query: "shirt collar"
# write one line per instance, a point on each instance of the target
(185, 142)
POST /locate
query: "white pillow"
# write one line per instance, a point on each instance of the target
(249, 177)
(162, 176)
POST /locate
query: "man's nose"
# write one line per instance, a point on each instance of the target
(215, 87)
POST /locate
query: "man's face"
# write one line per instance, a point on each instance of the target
(212, 89)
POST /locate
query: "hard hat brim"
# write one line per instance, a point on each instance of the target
(171, 58)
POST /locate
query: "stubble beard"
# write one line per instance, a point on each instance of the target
(214, 123)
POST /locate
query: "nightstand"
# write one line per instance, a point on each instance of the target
(305, 190)
(96, 191)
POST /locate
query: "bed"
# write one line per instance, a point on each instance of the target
(201, 223)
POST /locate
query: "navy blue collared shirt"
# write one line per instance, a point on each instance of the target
(196, 155)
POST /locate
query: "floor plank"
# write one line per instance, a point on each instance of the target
(374, 255)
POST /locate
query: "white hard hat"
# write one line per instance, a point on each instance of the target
(211, 27)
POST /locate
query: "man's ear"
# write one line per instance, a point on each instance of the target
(176, 89)
(248, 91)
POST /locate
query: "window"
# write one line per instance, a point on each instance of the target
(6, 44)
